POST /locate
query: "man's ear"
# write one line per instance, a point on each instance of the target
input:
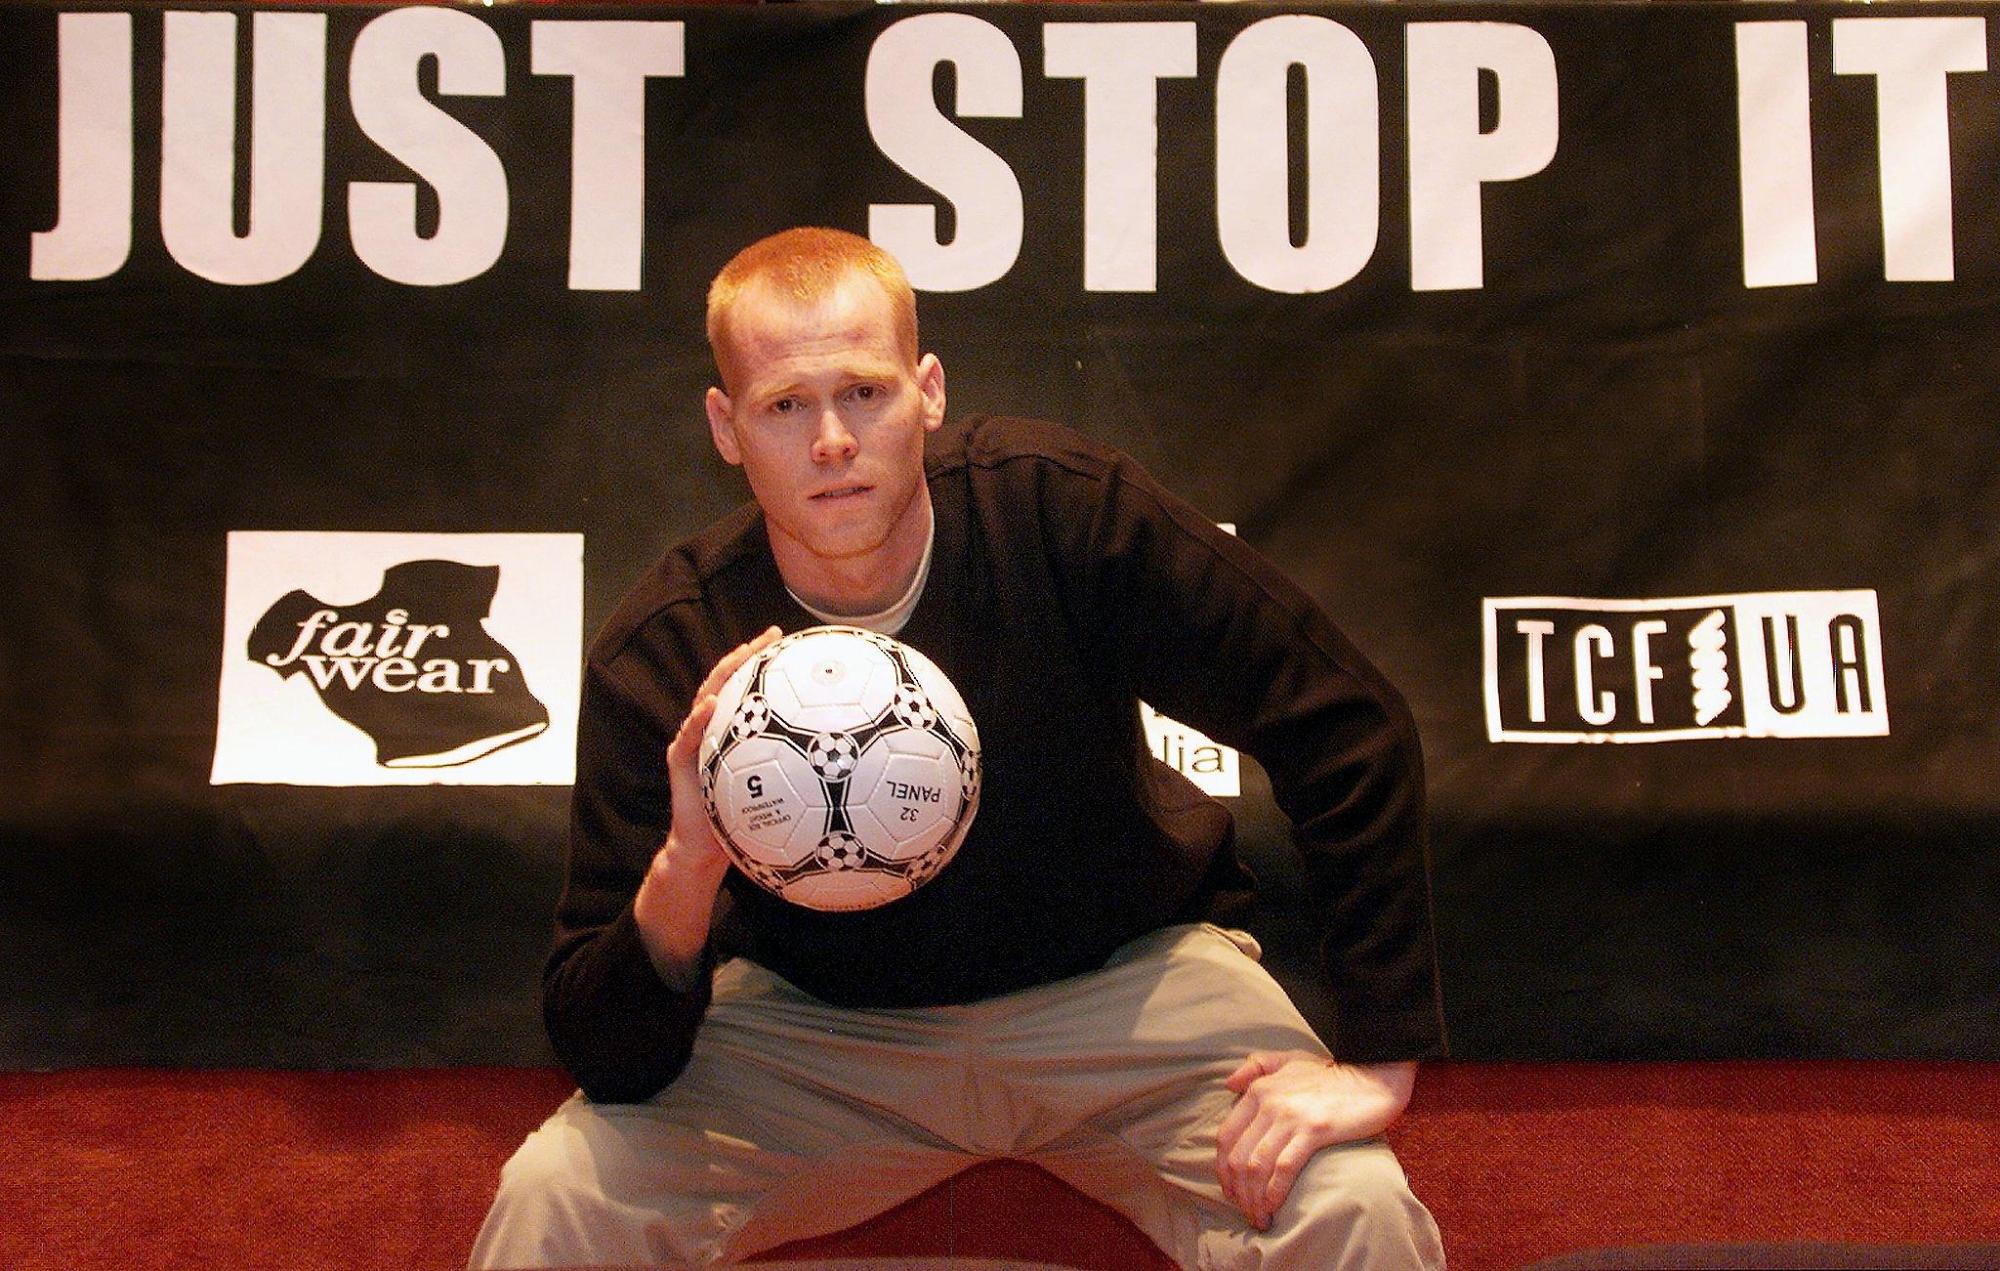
(719, 427)
(930, 383)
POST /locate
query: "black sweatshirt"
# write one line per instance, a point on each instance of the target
(1065, 584)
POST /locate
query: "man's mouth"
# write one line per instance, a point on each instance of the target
(840, 492)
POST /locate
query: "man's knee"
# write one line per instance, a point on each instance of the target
(542, 1171)
(550, 1207)
(1353, 1207)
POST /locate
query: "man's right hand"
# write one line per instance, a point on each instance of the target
(677, 898)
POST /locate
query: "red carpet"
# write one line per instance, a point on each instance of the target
(103, 1169)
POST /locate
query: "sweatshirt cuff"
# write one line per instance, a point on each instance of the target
(635, 1032)
(1381, 1037)
(626, 948)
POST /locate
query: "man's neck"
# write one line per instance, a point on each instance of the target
(863, 584)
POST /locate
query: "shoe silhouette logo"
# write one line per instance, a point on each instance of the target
(413, 666)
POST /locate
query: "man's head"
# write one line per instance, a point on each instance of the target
(805, 266)
(824, 403)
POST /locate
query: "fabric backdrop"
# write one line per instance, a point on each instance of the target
(1622, 378)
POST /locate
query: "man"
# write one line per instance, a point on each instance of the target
(753, 1072)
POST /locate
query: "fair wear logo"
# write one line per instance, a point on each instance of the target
(362, 659)
(1758, 664)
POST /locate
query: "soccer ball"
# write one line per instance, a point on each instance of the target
(841, 768)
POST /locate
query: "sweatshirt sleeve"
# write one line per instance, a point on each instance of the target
(622, 1032)
(1216, 636)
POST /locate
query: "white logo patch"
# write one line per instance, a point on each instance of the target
(368, 659)
(1759, 664)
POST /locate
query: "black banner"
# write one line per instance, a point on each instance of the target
(1622, 378)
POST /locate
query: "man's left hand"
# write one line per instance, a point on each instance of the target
(1293, 1103)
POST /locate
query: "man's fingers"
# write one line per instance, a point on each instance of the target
(1232, 1127)
(1249, 1169)
(686, 744)
(1242, 1185)
(1243, 1134)
(1262, 1063)
(1240, 1131)
(1246, 1072)
(719, 674)
(1264, 1168)
(1284, 1172)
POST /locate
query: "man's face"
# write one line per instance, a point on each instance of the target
(827, 418)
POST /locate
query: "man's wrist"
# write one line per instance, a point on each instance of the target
(673, 908)
(688, 867)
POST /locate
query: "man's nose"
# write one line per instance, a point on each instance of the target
(833, 443)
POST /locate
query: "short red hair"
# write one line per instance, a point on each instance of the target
(805, 266)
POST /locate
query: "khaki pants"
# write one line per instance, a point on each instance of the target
(795, 1118)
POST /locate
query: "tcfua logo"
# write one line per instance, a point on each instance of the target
(1756, 664)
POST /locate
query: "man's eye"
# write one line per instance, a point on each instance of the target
(866, 392)
(784, 405)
